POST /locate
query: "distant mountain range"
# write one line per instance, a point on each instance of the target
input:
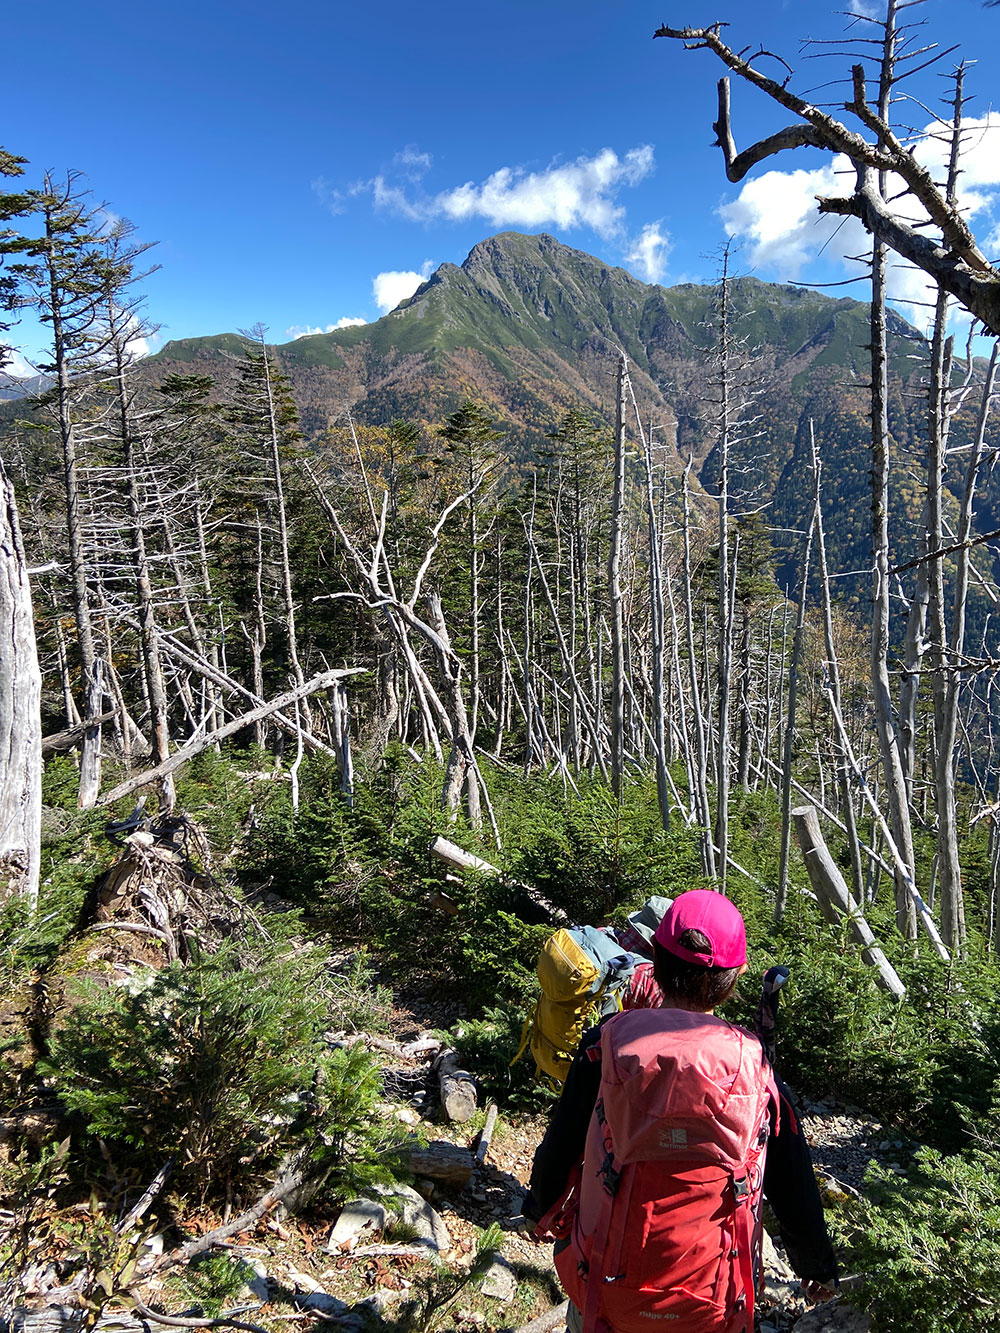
(530, 327)
(13, 387)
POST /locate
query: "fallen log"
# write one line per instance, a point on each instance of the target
(835, 899)
(61, 1318)
(195, 747)
(65, 740)
(485, 1138)
(449, 1163)
(456, 1088)
(453, 855)
(207, 671)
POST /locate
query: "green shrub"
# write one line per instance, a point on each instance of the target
(594, 856)
(220, 1066)
(488, 1044)
(929, 1243)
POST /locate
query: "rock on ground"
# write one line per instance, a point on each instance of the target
(833, 1318)
(356, 1217)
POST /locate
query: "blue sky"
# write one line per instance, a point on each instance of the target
(301, 164)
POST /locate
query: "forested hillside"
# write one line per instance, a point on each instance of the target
(339, 673)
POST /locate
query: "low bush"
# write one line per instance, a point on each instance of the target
(221, 1065)
(929, 1242)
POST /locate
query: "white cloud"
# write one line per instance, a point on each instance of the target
(649, 252)
(776, 215)
(392, 287)
(569, 194)
(328, 195)
(17, 366)
(865, 9)
(413, 161)
(308, 331)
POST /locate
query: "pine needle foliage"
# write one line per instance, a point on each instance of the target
(220, 1065)
(929, 1242)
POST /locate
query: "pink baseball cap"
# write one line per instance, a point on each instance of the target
(717, 918)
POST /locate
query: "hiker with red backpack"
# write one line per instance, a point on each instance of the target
(670, 1127)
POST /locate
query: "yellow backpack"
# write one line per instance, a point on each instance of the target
(582, 972)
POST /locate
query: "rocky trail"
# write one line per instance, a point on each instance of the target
(520, 1286)
(411, 1259)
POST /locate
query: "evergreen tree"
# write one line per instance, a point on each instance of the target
(13, 204)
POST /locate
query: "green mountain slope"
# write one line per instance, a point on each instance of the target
(531, 327)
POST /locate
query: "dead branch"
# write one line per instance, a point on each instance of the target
(543, 1322)
(486, 1137)
(738, 164)
(176, 1321)
(835, 899)
(955, 262)
(216, 676)
(290, 1180)
(65, 740)
(195, 747)
(453, 855)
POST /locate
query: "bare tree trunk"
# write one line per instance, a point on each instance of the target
(657, 641)
(700, 795)
(615, 591)
(258, 638)
(745, 725)
(725, 664)
(281, 515)
(90, 762)
(20, 717)
(833, 668)
(148, 636)
(789, 744)
(944, 678)
(895, 784)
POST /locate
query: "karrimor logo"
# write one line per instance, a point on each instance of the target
(673, 1136)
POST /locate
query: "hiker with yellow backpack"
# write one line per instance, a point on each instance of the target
(671, 1127)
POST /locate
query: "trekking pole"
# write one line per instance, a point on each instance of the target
(765, 1020)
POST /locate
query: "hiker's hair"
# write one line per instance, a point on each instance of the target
(678, 979)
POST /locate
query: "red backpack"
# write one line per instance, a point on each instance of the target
(664, 1226)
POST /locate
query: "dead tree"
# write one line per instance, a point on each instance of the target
(951, 258)
(376, 591)
(954, 262)
(62, 273)
(833, 673)
(789, 742)
(615, 590)
(20, 719)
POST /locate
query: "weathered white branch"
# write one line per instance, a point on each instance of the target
(320, 682)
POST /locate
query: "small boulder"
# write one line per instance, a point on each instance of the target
(429, 1230)
(500, 1282)
(356, 1217)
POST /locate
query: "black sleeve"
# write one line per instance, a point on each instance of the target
(791, 1190)
(565, 1139)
